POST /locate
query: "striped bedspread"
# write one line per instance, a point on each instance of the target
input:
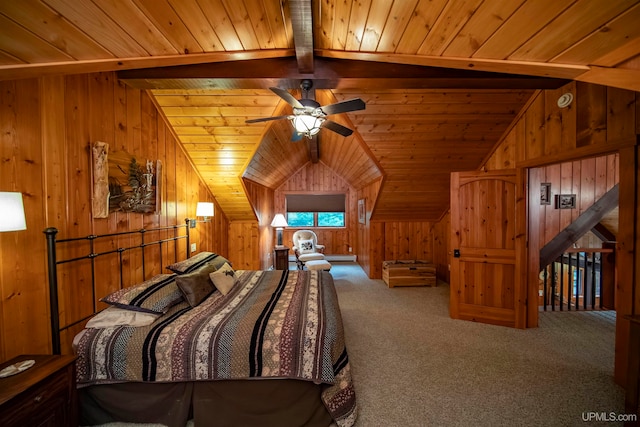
(272, 324)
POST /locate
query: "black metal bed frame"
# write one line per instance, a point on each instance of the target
(53, 262)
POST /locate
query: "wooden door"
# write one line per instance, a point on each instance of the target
(488, 229)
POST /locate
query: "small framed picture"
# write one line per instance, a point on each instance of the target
(361, 211)
(545, 193)
(565, 201)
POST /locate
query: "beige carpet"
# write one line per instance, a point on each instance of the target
(414, 366)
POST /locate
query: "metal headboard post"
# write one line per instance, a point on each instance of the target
(142, 245)
(92, 255)
(52, 264)
(53, 288)
(187, 222)
(120, 252)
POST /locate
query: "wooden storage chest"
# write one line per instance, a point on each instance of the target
(408, 273)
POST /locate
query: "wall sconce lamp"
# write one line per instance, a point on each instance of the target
(12, 217)
(279, 222)
(203, 209)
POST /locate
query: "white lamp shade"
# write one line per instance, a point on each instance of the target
(12, 212)
(204, 209)
(279, 221)
(307, 124)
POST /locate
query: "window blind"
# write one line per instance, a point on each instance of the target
(315, 202)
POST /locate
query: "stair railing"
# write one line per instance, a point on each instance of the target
(575, 280)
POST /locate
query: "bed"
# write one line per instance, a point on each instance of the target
(263, 348)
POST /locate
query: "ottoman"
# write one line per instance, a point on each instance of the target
(318, 264)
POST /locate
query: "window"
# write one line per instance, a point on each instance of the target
(315, 219)
(300, 219)
(330, 219)
(316, 210)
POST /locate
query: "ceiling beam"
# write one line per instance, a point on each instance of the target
(617, 77)
(530, 68)
(328, 73)
(23, 71)
(314, 148)
(302, 23)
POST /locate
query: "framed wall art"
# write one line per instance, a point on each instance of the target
(545, 193)
(565, 201)
(123, 184)
(361, 212)
(100, 178)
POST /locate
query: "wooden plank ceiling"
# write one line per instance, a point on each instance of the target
(442, 79)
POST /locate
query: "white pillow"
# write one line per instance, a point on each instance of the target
(114, 316)
(223, 278)
(306, 246)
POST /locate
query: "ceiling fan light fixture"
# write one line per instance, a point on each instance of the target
(309, 116)
(307, 125)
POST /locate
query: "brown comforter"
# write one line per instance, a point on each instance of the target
(272, 324)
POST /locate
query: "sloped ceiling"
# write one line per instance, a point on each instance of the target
(419, 136)
(210, 125)
(442, 79)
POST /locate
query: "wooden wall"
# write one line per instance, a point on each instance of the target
(368, 243)
(319, 178)
(244, 250)
(261, 199)
(600, 120)
(589, 179)
(396, 240)
(47, 126)
(399, 240)
(577, 147)
(442, 247)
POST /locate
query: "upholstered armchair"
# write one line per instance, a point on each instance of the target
(306, 247)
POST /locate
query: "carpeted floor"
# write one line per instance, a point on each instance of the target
(414, 366)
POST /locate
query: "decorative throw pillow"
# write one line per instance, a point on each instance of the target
(155, 295)
(306, 246)
(114, 316)
(224, 278)
(196, 286)
(198, 261)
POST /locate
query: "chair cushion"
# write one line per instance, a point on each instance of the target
(306, 246)
(318, 265)
(310, 257)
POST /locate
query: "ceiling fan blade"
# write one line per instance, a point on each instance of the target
(344, 106)
(287, 97)
(266, 119)
(337, 128)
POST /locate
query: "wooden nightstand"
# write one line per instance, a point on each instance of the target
(43, 395)
(281, 257)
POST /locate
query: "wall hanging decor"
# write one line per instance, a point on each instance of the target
(361, 212)
(565, 201)
(122, 184)
(545, 193)
(100, 174)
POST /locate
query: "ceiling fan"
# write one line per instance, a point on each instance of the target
(309, 116)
